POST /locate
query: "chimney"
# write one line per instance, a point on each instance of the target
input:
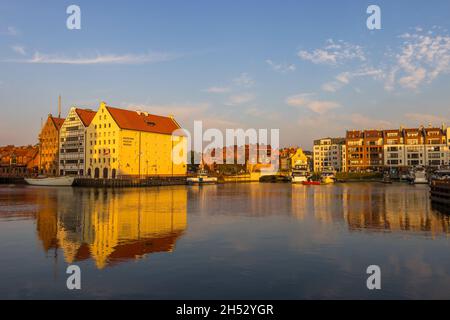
(59, 106)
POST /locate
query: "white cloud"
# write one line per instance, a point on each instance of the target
(425, 119)
(244, 80)
(19, 49)
(306, 100)
(39, 58)
(422, 58)
(218, 90)
(345, 78)
(282, 68)
(334, 53)
(365, 122)
(240, 99)
(10, 31)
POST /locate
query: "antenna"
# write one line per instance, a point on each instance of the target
(59, 106)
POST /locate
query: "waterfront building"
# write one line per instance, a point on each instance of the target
(364, 150)
(19, 161)
(436, 148)
(394, 149)
(133, 143)
(49, 146)
(292, 157)
(73, 141)
(329, 153)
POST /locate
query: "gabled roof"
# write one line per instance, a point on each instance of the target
(139, 121)
(58, 122)
(86, 116)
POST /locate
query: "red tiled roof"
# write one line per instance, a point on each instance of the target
(132, 120)
(86, 116)
(58, 122)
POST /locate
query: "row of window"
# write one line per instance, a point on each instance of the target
(94, 143)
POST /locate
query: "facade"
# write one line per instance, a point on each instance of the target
(19, 161)
(132, 143)
(436, 148)
(364, 150)
(72, 142)
(292, 157)
(397, 149)
(394, 149)
(49, 146)
(329, 153)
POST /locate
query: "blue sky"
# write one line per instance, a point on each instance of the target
(309, 68)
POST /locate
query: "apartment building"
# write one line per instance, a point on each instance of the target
(436, 148)
(73, 141)
(329, 153)
(394, 149)
(416, 147)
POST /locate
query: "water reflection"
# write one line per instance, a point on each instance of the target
(365, 206)
(374, 207)
(110, 226)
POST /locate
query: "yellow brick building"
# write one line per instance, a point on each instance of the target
(131, 143)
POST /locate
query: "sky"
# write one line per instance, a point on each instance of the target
(309, 68)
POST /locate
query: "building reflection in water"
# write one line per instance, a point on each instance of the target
(372, 207)
(110, 226)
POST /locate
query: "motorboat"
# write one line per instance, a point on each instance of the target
(328, 176)
(202, 178)
(65, 181)
(441, 174)
(300, 174)
(311, 183)
(419, 176)
(387, 178)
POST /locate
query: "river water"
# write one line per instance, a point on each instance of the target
(232, 241)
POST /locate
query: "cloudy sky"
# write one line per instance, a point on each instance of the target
(310, 68)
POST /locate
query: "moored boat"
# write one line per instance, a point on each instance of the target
(202, 178)
(328, 176)
(311, 183)
(300, 174)
(419, 176)
(65, 181)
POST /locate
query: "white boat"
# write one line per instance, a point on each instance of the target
(328, 176)
(420, 176)
(51, 181)
(202, 178)
(300, 174)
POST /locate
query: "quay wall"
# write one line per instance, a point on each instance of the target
(126, 183)
(12, 180)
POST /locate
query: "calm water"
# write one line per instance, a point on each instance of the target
(245, 241)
